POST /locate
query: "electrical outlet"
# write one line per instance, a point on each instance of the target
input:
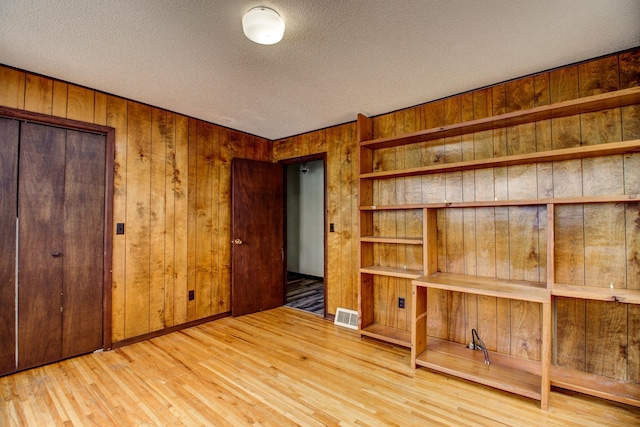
(192, 295)
(120, 228)
(400, 302)
(331, 228)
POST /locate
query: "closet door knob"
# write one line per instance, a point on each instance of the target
(237, 242)
(56, 254)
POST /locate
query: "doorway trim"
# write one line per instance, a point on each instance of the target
(110, 135)
(294, 161)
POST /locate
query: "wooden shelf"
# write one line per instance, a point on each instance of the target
(517, 375)
(392, 272)
(587, 104)
(520, 159)
(506, 373)
(629, 296)
(386, 333)
(515, 202)
(400, 240)
(489, 286)
(596, 385)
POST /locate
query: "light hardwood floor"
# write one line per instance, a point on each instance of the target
(280, 367)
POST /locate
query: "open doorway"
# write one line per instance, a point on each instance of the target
(305, 231)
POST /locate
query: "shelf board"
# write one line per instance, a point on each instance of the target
(401, 240)
(582, 105)
(489, 286)
(386, 333)
(519, 159)
(596, 385)
(515, 375)
(392, 272)
(629, 296)
(514, 202)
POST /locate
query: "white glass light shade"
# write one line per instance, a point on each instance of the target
(263, 25)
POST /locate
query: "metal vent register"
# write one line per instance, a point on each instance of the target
(347, 318)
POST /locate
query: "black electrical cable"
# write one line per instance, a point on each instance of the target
(478, 343)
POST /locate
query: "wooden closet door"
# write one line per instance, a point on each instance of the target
(61, 211)
(83, 243)
(40, 255)
(9, 135)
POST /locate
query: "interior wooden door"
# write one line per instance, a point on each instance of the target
(257, 233)
(60, 211)
(9, 134)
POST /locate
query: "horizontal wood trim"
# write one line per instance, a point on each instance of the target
(515, 202)
(629, 296)
(506, 373)
(596, 385)
(386, 333)
(489, 286)
(53, 120)
(392, 272)
(165, 331)
(582, 152)
(400, 240)
(587, 104)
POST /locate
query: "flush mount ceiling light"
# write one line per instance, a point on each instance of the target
(263, 25)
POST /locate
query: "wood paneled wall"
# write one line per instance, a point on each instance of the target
(172, 191)
(596, 245)
(340, 144)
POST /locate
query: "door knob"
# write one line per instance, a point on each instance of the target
(237, 242)
(56, 254)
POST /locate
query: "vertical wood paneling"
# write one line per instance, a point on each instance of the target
(179, 180)
(215, 214)
(117, 118)
(60, 97)
(100, 109)
(138, 216)
(224, 229)
(157, 220)
(194, 205)
(80, 103)
(192, 217)
(169, 237)
(12, 87)
(38, 94)
(204, 219)
(333, 280)
(348, 187)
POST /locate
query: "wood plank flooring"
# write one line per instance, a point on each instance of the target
(305, 293)
(281, 367)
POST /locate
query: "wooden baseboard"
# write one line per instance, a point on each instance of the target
(165, 331)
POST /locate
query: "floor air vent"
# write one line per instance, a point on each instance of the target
(347, 318)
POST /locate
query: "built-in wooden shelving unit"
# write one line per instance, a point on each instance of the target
(531, 378)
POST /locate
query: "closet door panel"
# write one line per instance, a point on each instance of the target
(9, 135)
(83, 248)
(40, 256)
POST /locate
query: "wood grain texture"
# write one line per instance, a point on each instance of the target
(117, 118)
(158, 228)
(138, 213)
(179, 185)
(60, 99)
(212, 375)
(12, 89)
(9, 142)
(80, 103)
(38, 94)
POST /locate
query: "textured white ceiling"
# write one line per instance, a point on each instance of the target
(338, 57)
